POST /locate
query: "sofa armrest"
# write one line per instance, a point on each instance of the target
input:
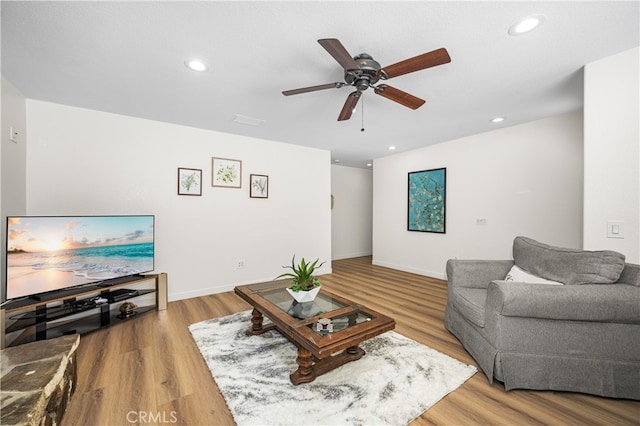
(617, 303)
(476, 273)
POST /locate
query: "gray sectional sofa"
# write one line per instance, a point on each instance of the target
(581, 334)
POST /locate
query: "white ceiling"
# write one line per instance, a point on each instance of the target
(128, 58)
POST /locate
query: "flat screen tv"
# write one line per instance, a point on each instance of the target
(49, 253)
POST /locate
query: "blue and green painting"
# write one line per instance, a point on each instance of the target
(427, 190)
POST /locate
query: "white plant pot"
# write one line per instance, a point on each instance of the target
(304, 296)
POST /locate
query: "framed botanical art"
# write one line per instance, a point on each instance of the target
(189, 181)
(259, 186)
(426, 210)
(226, 172)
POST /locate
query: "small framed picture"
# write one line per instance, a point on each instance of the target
(226, 172)
(189, 181)
(259, 186)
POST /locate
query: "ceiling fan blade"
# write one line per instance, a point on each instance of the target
(349, 105)
(339, 53)
(397, 95)
(312, 88)
(417, 63)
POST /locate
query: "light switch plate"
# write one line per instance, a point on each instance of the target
(615, 229)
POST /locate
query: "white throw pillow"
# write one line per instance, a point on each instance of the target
(518, 275)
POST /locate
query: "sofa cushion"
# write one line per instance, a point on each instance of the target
(569, 266)
(630, 275)
(518, 275)
(470, 302)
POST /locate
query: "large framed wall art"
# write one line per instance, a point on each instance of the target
(427, 192)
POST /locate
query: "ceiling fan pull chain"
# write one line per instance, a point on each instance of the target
(362, 128)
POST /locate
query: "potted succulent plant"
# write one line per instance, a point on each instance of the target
(304, 286)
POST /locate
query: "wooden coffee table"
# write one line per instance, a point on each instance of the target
(318, 350)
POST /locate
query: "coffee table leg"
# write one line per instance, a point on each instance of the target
(308, 370)
(355, 351)
(256, 324)
(305, 372)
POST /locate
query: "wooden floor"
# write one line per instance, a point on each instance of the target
(149, 371)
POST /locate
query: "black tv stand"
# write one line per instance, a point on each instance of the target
(63, 292)
(40, 319)
(57, 294)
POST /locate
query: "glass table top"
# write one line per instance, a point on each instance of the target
(322, 304)
(333, 313)
(339, 322)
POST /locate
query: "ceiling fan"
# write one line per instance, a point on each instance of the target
(362, 72)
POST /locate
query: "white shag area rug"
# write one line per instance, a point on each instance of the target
(395, 382)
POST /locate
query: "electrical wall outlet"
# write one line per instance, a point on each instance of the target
(13, 135)
(240, 264)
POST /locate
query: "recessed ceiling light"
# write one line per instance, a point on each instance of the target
(196, 65)
(497, 120)
(369, 164)
(391, 148)
(336, 161)
(526, 25)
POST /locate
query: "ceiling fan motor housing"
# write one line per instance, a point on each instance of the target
(368, 74)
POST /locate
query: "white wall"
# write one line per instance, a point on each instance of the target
(351, 216)
(612, 152)
(83, 162)
(523, 180)
(13, 164)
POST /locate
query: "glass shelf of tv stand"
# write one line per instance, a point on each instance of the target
(83, 325)
(71, 307)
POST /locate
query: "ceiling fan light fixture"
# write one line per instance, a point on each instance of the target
(527, 24)
(196, 65)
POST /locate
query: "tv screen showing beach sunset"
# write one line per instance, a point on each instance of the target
(51, 253)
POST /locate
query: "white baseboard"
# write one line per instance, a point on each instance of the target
(199, 293)
(350, 255)
(227, 287)
(426, 273)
